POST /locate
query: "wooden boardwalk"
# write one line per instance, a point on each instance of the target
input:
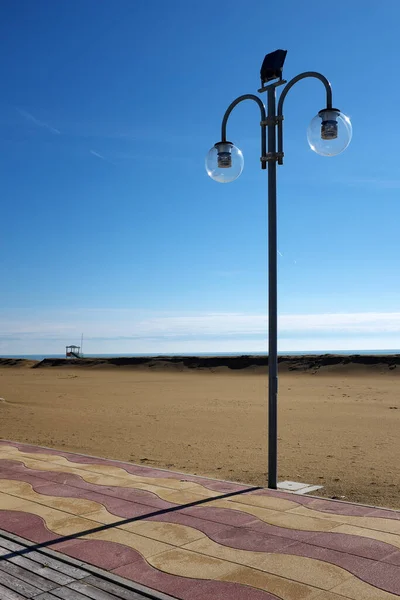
(40, 576)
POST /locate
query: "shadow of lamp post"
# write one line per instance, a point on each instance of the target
(329, 133)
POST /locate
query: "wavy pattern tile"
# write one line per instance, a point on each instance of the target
(256, 546)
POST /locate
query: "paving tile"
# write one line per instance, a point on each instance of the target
(388, 538)
(282, 587)
(224, 590)
(379, 524)
(209, 528)
(299, 522)
(17, 475)
(28, 526)
(170, 533)
(355, 589)
(384, 576)
(74, 486)
(393, 558)
(187, 563)
(143, 573)
(24, 491)
(70, 525)
(356, 565)
(297, 568)
(242, 538)
(219, 515)
(351, 544)
(145, 546)
(103, 554)
(327, 596)
(183, 497)
(269, 502)
(293, 534)
(289, 519)
(385, 513)
(8, 502)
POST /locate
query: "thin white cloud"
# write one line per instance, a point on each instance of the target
(37, 122)
(135, 325)
(101, 157)
(97, 154)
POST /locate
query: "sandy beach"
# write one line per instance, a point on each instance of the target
(338, 424)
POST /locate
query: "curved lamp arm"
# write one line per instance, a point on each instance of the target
(262, 122)
(283, 95)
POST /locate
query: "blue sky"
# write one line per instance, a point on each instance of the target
(109, 223)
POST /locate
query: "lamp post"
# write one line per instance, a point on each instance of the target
(329, 134)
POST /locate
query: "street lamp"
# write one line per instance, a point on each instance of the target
(329, 134)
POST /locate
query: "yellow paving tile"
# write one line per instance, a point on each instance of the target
(181, 497)
(291, 521)
(101, 515)
(388, 525)
(381, 536)
(41, 465)
(327, 596)
(280, 586)
(297, 568)
(23, 490)
(145, 546)
(270, 502)
(107, 480)
(359, 590)
(171, 533)
(190, 564)
(8, 502)
(69, 525)
(274, 517)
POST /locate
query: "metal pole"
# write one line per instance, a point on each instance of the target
(272, 298)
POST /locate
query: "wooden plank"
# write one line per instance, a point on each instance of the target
(50, 596)
(42, 584)
(17, 585)
(7, 594)
(45, 572)
(7, 546)
(114, 588)
(91, 592)
(66, 593)
(41, 577)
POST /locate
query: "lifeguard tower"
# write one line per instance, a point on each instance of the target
(73, 352)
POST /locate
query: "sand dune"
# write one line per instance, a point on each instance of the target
(252, 362)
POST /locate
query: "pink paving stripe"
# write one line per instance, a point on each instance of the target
(333, 507)
(351, 544)
(377, 573)
(243, 538)
(143, 471)
(103, 554)
(19, 472)
(31, 527)
(189, 589)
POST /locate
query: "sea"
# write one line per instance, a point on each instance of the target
(287, 353)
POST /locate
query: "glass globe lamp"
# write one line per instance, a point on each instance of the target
(224, 162)
(329, 133)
